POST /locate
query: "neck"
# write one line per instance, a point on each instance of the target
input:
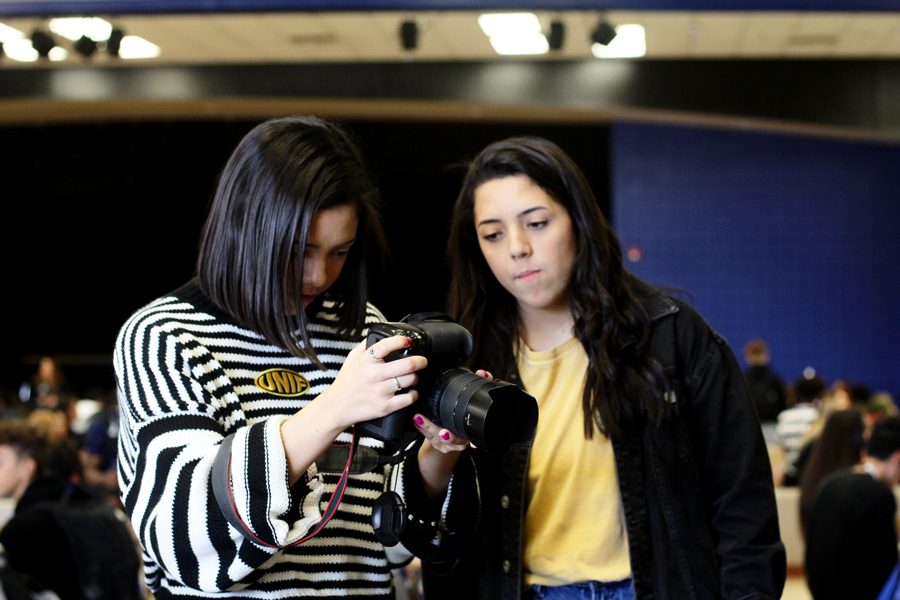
(546, 329)
(873, 467)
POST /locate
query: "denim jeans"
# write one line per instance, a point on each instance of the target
(586, 590)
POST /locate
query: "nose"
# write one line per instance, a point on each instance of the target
(518, 244)
(314, 275)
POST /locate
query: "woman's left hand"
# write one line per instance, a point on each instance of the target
(441, 439)
(440, 452)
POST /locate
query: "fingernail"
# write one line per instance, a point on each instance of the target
(409, 340)
(445, 435)
(488, 375)
(419, 420)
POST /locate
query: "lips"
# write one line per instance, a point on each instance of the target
(525, 275)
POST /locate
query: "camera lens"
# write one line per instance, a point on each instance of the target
(492, 414)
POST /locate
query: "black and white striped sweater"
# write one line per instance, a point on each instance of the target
(188, 376)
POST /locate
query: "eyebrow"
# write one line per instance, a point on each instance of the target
(525, 212)
(349, 242)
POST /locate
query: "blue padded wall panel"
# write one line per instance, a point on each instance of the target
(792, 239)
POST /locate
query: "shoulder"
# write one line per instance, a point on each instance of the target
(679, 331)
(858, 488)
(373, 315)
(184, 313)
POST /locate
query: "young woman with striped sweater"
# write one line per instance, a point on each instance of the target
(237, 387)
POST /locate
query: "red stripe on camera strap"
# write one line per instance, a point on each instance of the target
(330, 510)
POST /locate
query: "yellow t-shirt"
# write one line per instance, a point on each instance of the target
(574, 524)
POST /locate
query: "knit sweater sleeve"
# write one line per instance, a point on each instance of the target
(177, 407)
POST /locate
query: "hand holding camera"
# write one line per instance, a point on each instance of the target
(369, 386)
(492, 414)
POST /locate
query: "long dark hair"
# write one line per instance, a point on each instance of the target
(280, 174)
(838, 447)
(610, 321)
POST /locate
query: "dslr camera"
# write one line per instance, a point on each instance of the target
(491, 414)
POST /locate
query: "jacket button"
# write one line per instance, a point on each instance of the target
(504, 501)
(505, 566)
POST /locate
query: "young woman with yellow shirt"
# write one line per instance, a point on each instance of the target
(648, 475)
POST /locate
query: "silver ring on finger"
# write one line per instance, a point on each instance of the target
(397, 383)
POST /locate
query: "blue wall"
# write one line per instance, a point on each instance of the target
(793, 239)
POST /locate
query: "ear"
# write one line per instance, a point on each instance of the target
(893, 467)
(29, 467)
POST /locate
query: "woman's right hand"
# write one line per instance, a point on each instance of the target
(367, 387)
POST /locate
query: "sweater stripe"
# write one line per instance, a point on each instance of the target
(186, 378)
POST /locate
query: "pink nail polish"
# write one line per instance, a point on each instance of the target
(419, 420)
(409, 340)
(445, 435)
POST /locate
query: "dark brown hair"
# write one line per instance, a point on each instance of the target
(26, 440)
(610, 321)
(280, 174)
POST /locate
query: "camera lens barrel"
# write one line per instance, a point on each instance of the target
(492, 414)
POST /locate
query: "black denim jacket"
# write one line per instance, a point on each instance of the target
(697, 490)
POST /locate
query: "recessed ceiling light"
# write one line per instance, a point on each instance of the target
(514, 33)
(73, 28)
(20, 50)
(134, 47)
(630, 42)
(9, 34)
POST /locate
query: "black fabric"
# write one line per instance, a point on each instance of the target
(851, 541)
(767, 391)
(72, 544)
(696, 490)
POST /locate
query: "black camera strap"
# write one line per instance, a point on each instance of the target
(224, 494)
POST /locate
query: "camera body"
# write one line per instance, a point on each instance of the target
(491, 414)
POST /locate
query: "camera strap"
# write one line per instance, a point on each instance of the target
(224, 494)
(365, 459)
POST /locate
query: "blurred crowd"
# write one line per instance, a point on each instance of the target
(838, 443)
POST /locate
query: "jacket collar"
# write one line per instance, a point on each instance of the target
(659, 306)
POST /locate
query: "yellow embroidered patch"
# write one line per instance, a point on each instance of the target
(282, 382)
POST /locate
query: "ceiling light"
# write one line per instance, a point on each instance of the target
(135, 47)
(557, 35)
(409, 35)
(630, 42)
(505, 24)
(532, 44)
(514, 33)
(20, 50)
(9, 34)
(74, 28)
(42, 42)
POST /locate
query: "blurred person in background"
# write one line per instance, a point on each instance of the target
(766, 388)
(41, 541)
(851, 539)
(795, 422)
(837, 448)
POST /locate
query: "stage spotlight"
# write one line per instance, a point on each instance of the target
(42, 42)
(557, 35)
(603, 33)
(85, 46)
(114, 43)
(409, 35)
